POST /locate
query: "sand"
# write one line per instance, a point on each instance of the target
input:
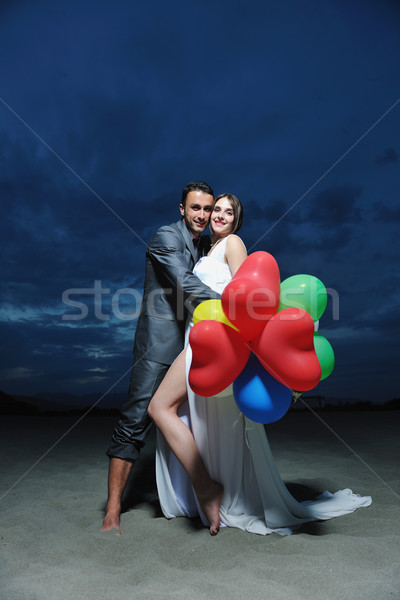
(51, 548)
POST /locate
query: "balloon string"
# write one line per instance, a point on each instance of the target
(236, 422)
(247, 428)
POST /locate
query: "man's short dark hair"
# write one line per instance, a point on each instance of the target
(196, 186)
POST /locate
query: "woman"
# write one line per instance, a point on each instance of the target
(226, 456)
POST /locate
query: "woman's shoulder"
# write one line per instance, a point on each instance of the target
(234, 242)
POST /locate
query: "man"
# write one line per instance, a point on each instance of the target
(171, 291)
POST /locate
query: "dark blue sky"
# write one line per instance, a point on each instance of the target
(108, 109)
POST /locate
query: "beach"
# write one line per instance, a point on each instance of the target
(53, 492)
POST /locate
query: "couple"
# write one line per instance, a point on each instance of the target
(229, 472)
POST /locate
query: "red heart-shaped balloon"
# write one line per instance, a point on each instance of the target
(219, 355)
(285, 348)
(252, 296)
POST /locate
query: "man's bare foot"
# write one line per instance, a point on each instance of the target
(111, 521)
(118, 474)
(210, 502)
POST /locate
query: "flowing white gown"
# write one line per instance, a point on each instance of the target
(236, 453)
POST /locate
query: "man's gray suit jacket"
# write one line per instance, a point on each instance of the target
(171, 292)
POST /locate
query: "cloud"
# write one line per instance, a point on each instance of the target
(17, 373)
(386, 214)
(389, 156)
(335, 206)
(323, 222)
(54, 356)
(138, 106)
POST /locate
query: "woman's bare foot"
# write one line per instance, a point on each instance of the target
(210, 502)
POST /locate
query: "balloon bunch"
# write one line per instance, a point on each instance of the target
(260, 337)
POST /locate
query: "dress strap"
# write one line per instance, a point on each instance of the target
(218, 252)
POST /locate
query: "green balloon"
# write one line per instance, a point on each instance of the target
(325, 355)
(304, 291)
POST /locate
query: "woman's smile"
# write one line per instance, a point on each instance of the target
(222, 217)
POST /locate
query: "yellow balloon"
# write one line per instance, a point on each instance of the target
(211, 310)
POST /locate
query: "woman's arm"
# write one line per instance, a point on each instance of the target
(235, 253)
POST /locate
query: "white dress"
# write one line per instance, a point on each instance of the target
(236, 453)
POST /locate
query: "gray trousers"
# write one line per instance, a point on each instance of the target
(134, 424)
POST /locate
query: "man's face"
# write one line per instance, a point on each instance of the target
(197, 211)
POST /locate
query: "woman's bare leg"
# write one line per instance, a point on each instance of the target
(163, 410)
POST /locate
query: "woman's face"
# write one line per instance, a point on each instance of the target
(222, 217)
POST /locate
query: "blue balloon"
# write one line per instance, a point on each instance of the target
(259, 396)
